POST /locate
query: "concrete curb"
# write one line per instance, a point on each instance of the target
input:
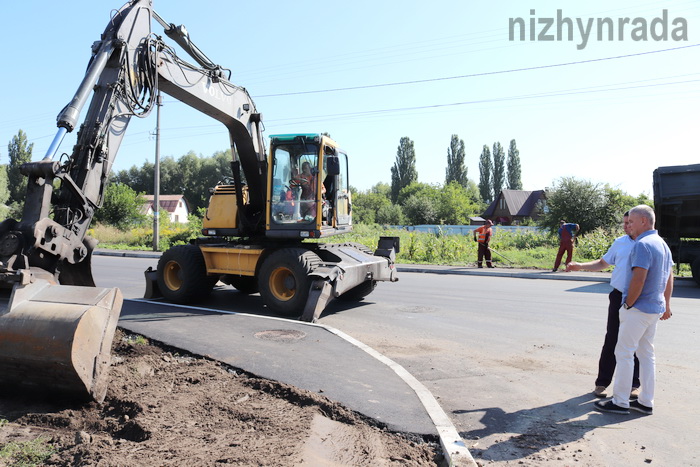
(454, 450)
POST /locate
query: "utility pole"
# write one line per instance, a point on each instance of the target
(156, 178)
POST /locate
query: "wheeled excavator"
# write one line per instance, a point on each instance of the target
(259, 234)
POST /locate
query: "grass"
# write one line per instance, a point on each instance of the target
(135, 339)
(28, 453)
(522, 249)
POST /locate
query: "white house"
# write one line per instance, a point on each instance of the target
(176, 205)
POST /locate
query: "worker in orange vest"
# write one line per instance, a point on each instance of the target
(483, 236)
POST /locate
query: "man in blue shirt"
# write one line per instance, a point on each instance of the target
(567, 235)
(645, 301)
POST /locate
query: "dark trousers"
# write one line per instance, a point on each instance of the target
(606, 364)
(484, 252)
(564, 247)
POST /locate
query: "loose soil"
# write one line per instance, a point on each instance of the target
(168, 407)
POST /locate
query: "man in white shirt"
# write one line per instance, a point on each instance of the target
(618, 256)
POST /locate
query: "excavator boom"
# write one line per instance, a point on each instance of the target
(56, 328)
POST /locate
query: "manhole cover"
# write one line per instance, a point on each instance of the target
(416, 309)
(280, 335)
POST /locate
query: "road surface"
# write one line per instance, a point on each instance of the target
(512, 361)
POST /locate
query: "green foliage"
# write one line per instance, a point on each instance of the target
(135, 340)
(514, 170)
(456, 205)
(499, 169)
(190, 175)
(580, 202)
(366, 206)
(28, 453)
(122, 207)
(595, 244)
(420, 190)
(19, 152)
(391, 214)
(4, 189)
(420, 209)
(485, 172)
(403, 172)
(456, 170)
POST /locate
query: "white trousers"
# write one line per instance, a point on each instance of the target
(636, 334)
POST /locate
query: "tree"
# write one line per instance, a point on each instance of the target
(367, 205)
(584, 203)
(420, 203)
(456, 171)
(514, 181)
(4, 192)
(485, 175)
(456, 205)
(404, 172)
(122, 207)
(390, 214)
(499, 169)
(420, 210)
(19, 153)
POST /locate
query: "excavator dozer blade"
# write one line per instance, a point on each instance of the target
(58, 338)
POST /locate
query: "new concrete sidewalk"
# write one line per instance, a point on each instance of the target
(314, 357)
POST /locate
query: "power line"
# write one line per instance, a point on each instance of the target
(473, 75)
(567, 92)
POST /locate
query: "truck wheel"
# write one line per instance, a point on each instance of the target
(244, 284)
(284, 279)
(358, 292)
(695, 268)
(182, 275)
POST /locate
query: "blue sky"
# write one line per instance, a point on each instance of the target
(609, 112)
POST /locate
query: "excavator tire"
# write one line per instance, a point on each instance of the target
(244, 284)
(182, 275)
(358, 292)
(284, 280)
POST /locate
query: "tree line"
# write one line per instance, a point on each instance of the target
(405, 201)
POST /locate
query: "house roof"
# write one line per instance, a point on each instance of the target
(518, 202)
(167, 202)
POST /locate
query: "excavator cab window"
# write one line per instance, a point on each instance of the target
(295, 183)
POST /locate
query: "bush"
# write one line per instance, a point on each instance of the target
(595, 244)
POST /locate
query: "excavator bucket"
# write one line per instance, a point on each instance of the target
(57, 338)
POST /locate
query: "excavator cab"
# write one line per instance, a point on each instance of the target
(308, 192)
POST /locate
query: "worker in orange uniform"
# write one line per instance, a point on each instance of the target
(483, 236)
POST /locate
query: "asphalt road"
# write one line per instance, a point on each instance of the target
(512, 361)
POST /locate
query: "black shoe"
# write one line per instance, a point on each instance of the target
(480, 266)
(489, 266)
(637, 407)
(611, 408)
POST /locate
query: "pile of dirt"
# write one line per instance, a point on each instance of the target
(167, 407)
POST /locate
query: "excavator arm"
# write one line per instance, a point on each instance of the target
(56, 328)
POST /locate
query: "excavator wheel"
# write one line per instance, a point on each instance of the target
(284, 279)
(244, 284)
(359, 292)
(182, 275)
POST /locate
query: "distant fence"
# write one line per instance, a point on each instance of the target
(463, 229)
